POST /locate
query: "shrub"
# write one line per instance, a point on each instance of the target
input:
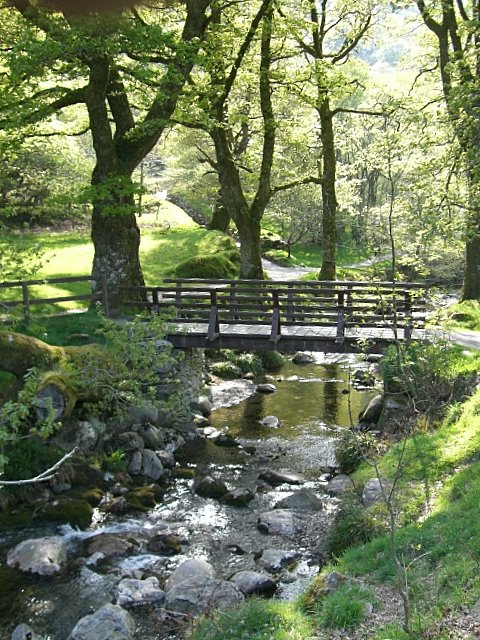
(344, 607)
(271, 360)
(427, 373)
(351, 449)
(28, 457)
(226, 370)
(352, 525)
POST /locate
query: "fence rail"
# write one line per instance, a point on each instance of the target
(28, 299)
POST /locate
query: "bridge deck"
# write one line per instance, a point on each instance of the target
(292, 338)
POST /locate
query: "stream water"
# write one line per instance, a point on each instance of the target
(311, 404)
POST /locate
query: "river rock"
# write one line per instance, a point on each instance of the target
(192, 569)
(301, 500)
(43, 556)
(166, 458)
(166, 544)
(210, 487)
(266, 387)
(275, 478)
(24, 632)
(372, 412)
(195, 596)
(201, 421)
(135, 464)
(275, 560)
(372, 492)
(203, 405)
(363, 377)
(278, 522)
(302, 357)
(226, 440)
(238, 497)
(151, 465)
(254, 583)
(143, 414)
(131, 592)
(151, 435)
(272, 422)
(110, 622)
(339, 486)
(117, 506)
(130, 441)
(112, 545)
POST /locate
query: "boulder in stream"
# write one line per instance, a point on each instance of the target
(280, 522)
(275, 560)
(166, 544)
(275, 478)
(192, 569)
(238, 497)
(254, 583)
(370, 415)
(266, 387)
(132, 593)
(272, 422)
(112, 545)
(303, 357)
(210, 487)
(301, 500)
(110, 622)
(195, 596)
(42, 556)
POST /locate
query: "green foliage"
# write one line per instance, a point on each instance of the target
(226, 370)
(464, 315)
(28, 457)
(431, 374)
(352, 525)
(344, 607)
(256, 620)
(352, 448)
(114, 461)
(271, 360)
(280, 257)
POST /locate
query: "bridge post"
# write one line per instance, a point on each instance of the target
(233, 301)
(290, 315)
(155, 307)
(275, 333)
(340, 316)
(213, 325)
(407, 332)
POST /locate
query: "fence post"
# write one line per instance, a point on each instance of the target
(233, 301)
(340, 317)
(155, 307)
(26, 302)
(106, 309)
(275, 333)
(213, 331)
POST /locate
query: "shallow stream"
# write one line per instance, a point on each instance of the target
(311, 403)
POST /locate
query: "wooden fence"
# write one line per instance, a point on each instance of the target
(27, 299)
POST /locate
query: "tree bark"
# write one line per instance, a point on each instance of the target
(250, 249)
(221, 217)
(471, 277)
(329, 198)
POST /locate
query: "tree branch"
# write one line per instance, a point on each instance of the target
(296, 183)
(42, 477)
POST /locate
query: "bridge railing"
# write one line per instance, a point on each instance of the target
(339, 304)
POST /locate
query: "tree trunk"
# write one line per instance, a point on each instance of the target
(471, 279)
(116, 238)
(221, 218)
(329, 198)
(250, 249)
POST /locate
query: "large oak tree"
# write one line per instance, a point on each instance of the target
(127, 71)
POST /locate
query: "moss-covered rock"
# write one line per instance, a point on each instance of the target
(217, 266)
(144, 498)
(92, 496)
(66, 510)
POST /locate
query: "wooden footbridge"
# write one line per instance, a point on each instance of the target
(327, 316)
